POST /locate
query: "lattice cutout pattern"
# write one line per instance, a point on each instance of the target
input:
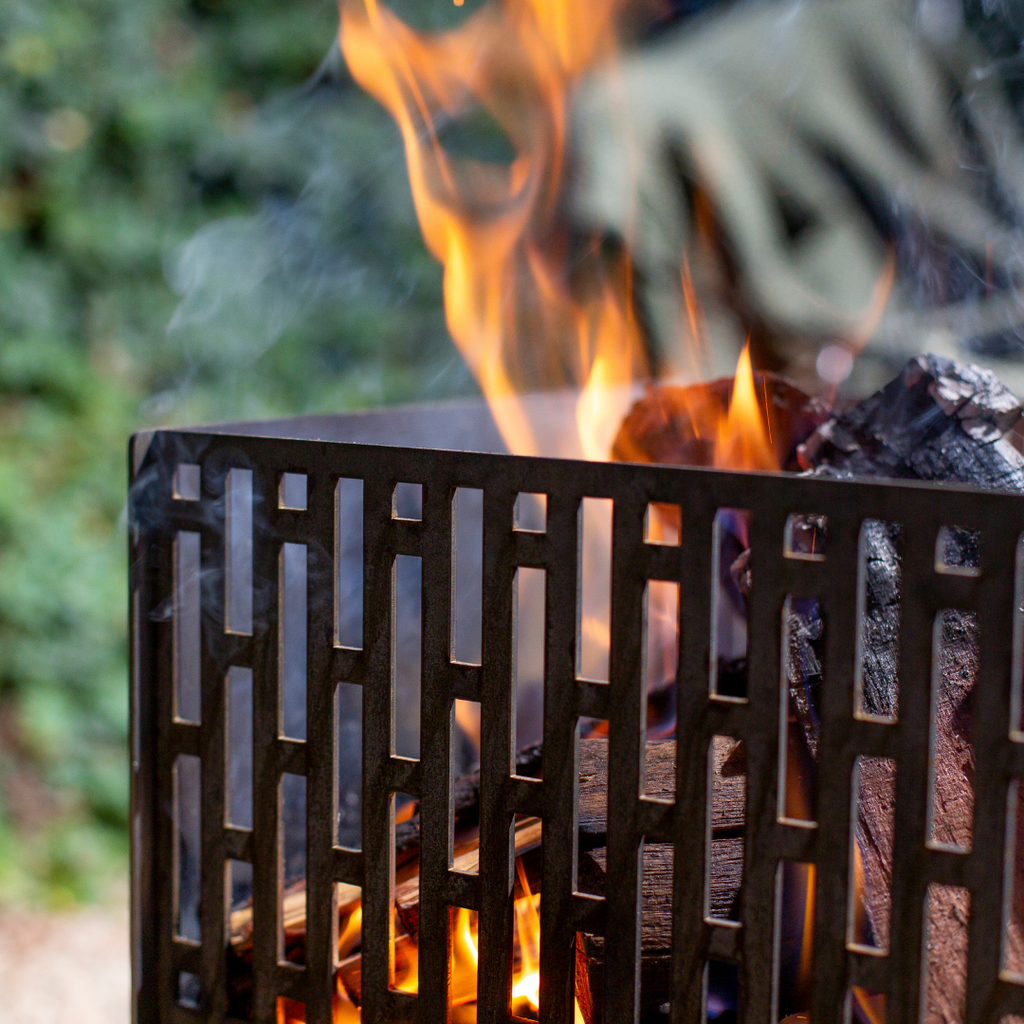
(179, 979)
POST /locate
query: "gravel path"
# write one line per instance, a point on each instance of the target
(70, 967)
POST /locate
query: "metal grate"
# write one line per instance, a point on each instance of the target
(284, 492)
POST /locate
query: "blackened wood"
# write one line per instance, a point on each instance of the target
(939, 420)
(726, 823)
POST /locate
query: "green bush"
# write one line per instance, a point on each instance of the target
(189, 230)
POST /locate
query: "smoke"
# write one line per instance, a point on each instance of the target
(244, 281)
(322, 298)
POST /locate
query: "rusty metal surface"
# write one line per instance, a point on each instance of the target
(156, 518)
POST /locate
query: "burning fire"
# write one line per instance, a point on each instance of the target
(494, 227)
(465, 959)
(520, 318)
(519, 321)
(743, 438)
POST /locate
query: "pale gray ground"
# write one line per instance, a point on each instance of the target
(65, 967)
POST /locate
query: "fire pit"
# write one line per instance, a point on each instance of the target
(251, 646)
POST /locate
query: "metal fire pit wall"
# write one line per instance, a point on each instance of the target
(158, 517)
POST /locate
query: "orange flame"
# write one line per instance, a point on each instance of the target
(465, 961)
(742, 440)
(494, 227)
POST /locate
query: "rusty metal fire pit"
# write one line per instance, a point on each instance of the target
(237, 539)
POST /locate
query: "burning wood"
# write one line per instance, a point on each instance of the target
(938, 421)
(683, 426)
(726, 832)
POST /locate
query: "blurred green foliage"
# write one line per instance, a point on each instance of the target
(194, 224)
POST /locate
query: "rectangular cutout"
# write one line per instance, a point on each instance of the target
(661, 661)
(594, 589)
(1013, 886)
(239, 882)
(291, 492)
(239, 796)
(656, 878)
(591, 804)
(529, 658)
(656, 881)
(406, 654)
(187, 846)
(467, 573)
(800, 696)
(187, 484)
(348, 980)
(947, 915)
(239, 885)
(879, 580)
(190, 990)
(293, 571)
(407, 502)
(526, 876)
(238, 552)
(464, 928)
(466, 737)
(951, 755)
(349, 799)
(1017, 668)
(867, 1006)
(726, 824)
(721, 991)
(187, 629)
(806, 537)
(663, 524)
(874, 822)
(795, 888)
(530, 513)
(290, 1011)
(293, 868)
(348, 906)
(406, 867)
(958, 551)
(729, 589)
(348, 564)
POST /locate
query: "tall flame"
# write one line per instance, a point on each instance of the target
(508, 301)
(742, 440)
